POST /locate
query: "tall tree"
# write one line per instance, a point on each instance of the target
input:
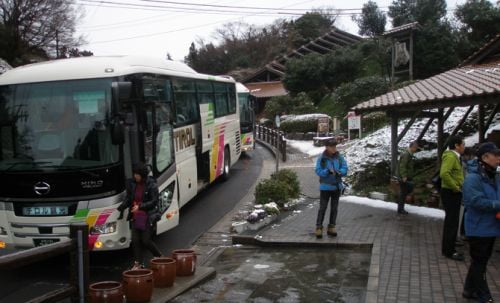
(480, 22)
(423, 11)
(41, 27)
(372, 20)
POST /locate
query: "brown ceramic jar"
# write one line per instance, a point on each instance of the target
(106, 292)
(185, 260)
(138, 285)
(164, 270)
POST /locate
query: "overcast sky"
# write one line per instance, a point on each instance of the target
(155, 27)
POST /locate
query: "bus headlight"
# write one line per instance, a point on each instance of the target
(106, 228)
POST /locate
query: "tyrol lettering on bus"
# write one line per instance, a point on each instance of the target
(183, 138)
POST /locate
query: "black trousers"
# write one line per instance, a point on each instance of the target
(141, 239)
(480, 252)
(324, 197)
(451, 203)
(405, 188)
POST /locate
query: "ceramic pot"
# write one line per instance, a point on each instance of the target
(138, 285)
(106, 292)
(164, 270)
(185, 260)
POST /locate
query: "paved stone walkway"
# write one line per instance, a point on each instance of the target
(407, 265)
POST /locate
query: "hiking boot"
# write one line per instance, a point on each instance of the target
(319, 232)
(331, 231)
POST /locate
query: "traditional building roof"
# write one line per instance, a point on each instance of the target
(275, 70)
(452, 88)
(266, 89)
(490, 51)
(402, 29)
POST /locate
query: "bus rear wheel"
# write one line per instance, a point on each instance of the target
(225, 173)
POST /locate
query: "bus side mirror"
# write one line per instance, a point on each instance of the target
(120, 92)
(117, 132)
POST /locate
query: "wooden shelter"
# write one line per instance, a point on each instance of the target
(476, 82)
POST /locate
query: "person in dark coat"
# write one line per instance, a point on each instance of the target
(482, 202)
(142, 203)
(406, 175)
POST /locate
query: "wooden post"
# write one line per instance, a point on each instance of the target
(394, 144)
(79, 269)
(440, 138)
(480, 122)
(411, 56)
(492, 115)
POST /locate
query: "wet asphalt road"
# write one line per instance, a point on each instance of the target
(197, 217)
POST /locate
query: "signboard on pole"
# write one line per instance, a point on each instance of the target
(353, 122)
(323, 124)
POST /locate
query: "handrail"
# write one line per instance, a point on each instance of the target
(77, 246)
(273, 137)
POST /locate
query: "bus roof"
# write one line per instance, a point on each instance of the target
(240, 88)
(99, 67)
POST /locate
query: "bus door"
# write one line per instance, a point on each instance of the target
(207, 122)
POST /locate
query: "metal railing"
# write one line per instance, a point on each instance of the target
(273, 137)
(77, 246)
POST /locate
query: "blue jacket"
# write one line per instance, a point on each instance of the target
(482, 201)
(327, 180)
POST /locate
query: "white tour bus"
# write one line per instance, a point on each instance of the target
(247, 117)
(71, 129)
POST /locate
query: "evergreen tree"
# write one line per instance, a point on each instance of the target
(372, 20)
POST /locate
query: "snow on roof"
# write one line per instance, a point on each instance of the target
(492, 129)
(4, 66)
(308, 117)
(99, 67)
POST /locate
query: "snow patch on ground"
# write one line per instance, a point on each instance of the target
(306, 147)
(4, 66)
(412, 209)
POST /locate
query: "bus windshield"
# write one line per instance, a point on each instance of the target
(56, 125)
(246, 112)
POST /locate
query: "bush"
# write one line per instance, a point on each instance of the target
(290, 178)
(280, 188)
(296, 126)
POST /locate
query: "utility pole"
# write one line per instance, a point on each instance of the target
(57, 44)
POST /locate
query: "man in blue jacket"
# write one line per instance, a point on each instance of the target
(481, 192)
(330, 167)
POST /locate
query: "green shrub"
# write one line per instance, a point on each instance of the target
(290, 178)
(280, 188)
(272, 190)
(297, 126)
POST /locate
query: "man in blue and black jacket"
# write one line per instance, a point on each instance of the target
(330, 167)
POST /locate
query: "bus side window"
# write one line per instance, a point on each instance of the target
(186, 105)
(232, 98)
(221, 99)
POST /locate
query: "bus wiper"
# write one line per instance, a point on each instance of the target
(33, 164)
(77, 168)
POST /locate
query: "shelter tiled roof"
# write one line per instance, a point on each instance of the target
(327, 43)
(488, 49)
(266, 89)
(401, 28)
(457, 84)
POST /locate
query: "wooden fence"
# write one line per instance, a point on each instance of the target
(272, 137)
(77, 246)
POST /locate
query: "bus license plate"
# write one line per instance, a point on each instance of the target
(41, 242)
(45, 211)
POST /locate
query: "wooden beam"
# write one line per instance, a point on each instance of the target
(459, 125)
(407, 127)
(440, 137)
(428, 124)
(480, 123)
(394, 145)
(492, 115)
